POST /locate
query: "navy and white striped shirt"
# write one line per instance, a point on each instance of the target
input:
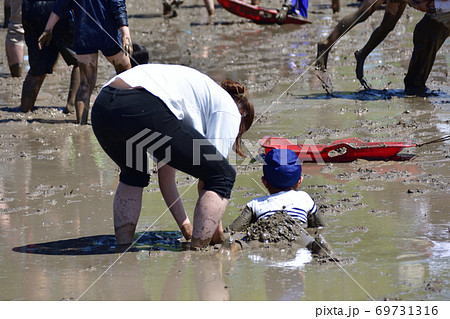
(298, 204)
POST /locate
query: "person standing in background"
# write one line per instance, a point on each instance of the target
(34, 16)
(7, 13)
(100, 25)
(15, 39)
(429, 35)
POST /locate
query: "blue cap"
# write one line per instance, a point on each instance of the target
(282, 168)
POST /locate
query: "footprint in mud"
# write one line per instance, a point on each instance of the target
(370, 188)
(352, 241)
(334, 209)
(381, 213)
(417, 191)
(359, 228)
(432, 180)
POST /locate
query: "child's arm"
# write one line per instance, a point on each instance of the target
(242, 222)
(314, 217)
(315, 220)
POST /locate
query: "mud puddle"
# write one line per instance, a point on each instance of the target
(388, 219)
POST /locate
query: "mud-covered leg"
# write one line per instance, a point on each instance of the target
(73, 88)
(88, 77)
(15, 40)
(207, 216)
(15, 53)
(126, 208)
(120, 61)
(230, 246)
(347, 23)
(429, 35)
(30, 90)
(7, 13)
(217, 238)
(392, 14)
(209, 4)
(336, 5)
(360, 69)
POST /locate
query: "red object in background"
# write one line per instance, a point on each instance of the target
(345, 150)
(257, 13)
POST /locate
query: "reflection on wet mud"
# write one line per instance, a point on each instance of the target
(207, 271)
(284, 284)
(364, 95)
(197, 24)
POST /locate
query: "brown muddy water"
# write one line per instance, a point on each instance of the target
(388, 221)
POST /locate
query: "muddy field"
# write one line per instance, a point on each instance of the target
(388, 220)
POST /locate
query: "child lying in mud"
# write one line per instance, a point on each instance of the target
(281, 216)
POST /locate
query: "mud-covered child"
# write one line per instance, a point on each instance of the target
(282, 176)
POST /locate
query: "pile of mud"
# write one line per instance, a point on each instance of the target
(280, 227)
(280, 236)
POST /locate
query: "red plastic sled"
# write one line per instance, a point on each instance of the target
(345, 150)
(257, 13)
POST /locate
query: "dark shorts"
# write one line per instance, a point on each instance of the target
(130, 123)
(93, 39)
(34, 16)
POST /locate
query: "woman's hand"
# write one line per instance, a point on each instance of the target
(127, 45)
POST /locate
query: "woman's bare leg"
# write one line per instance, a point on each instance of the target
(217, 238)
(207, 217)
(30, 90)
(126, 208)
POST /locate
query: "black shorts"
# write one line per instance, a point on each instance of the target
(130, 123)
(90, 38)
(34, 16)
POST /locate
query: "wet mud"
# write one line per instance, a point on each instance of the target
(276, 229)
(387, 221)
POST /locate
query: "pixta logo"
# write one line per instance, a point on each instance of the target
(145, 143)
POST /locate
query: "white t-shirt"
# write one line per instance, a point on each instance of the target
(298, 204)
(442, 5)
(192, 97)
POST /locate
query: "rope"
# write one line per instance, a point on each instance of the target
(440, 139)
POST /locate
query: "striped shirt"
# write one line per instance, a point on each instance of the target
(298, 204)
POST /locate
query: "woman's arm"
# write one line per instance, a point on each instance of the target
(120, 16)
(127, 46)
(168, 187)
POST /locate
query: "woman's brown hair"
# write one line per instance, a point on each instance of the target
(239, 94)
